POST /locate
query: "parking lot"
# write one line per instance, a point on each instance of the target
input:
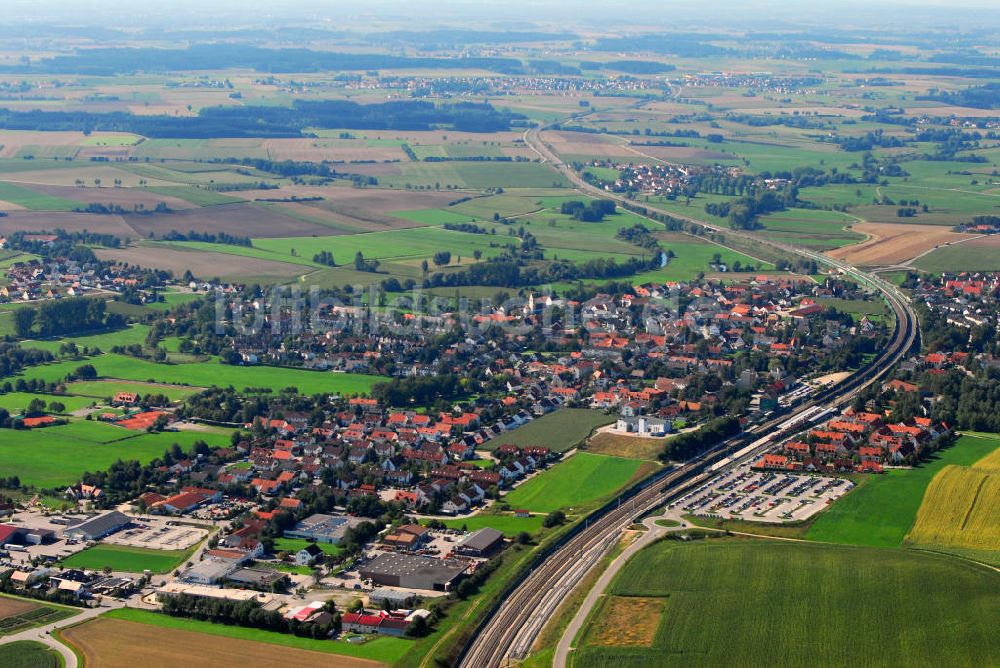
(158, 534)
(764, 496)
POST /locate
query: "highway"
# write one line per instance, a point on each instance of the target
(519, 614)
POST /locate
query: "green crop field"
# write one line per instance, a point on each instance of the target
(210, 373)
(781, 604)
(125, 558)
(58, 456)
(434, 216)
(559, 431)
(29, 654)
(382, 648)
(581, 480)
(881, 511)
(967, 256)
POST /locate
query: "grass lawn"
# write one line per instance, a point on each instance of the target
(560, 431)
(881, 511)
(296, 544)
(784, 604)
(126, 558)
(382, 648)
(581, 480)
(58, 456)
(507, 523)
(29, 654)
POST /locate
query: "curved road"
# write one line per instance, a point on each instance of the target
(515, 622)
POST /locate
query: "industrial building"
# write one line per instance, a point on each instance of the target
(98, 527)
(321, 528)
(481, 543)
(413, 572)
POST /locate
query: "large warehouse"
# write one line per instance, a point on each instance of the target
(413, 572)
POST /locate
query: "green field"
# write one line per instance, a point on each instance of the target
(29, 654)
(210, 373)
(382, 648)
(881, 510)
(559, 431)
(125, 558)
(760, 603)
(581, 480)
(57, 456)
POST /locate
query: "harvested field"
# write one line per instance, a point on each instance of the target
(582, 143)
(48, 221)
(238, 219)
(200, 263)
(894, 243)
(640, 631)
(620, 445)
(680, 153)
(12, 607)
(318, 150)
(114, 643)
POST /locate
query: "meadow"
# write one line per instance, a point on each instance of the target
(776, 603)
(210, 373)
(576, 483)
(559, 431)
(57, 456)
(126, 558)
(880, 511)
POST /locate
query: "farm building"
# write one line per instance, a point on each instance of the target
(413, 572)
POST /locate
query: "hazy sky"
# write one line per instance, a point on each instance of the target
(231, 13)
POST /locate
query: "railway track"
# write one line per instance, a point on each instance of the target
(516, 619)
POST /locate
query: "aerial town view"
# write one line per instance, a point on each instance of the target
(465, 334)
